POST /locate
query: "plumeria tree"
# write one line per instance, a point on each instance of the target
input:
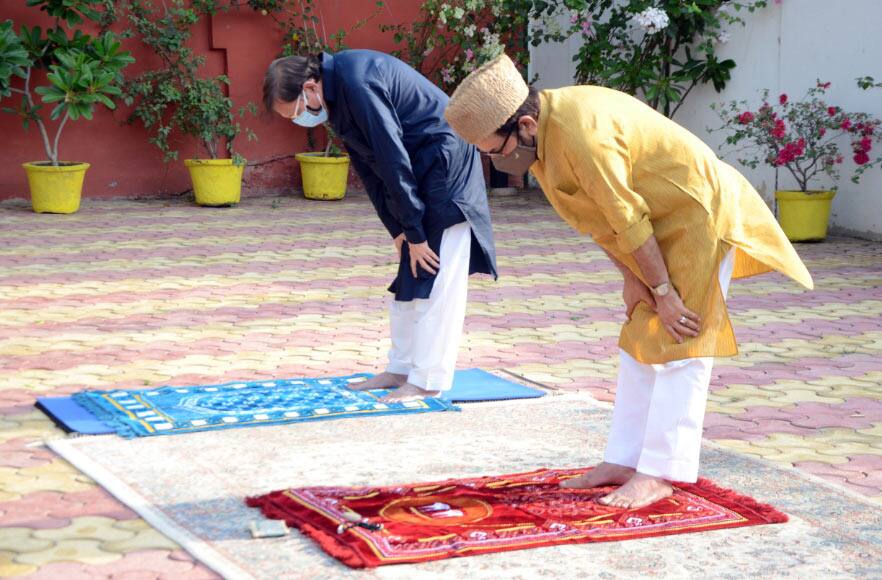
(659, 50)
(800, 136)
(82, 71)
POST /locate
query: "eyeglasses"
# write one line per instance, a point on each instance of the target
(498, 151)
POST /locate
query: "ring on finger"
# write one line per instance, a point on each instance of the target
(682, 320)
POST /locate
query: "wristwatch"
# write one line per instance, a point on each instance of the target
(662, 289)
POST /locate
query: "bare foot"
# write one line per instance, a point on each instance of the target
(603, 474)
(641, 490)
(380, 381)
(408, 392)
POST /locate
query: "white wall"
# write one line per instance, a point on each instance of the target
(785, 48)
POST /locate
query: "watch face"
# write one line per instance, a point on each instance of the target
(662, 289)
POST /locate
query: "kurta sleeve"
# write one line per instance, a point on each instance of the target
(373, 112)
(603, 170)
(376, 191)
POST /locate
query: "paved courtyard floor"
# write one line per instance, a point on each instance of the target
(146, 293)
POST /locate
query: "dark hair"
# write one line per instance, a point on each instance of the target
(285, 77)
(529, 107)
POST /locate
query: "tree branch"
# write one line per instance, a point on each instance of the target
(683, 98)
(39, 121)
(58, 136)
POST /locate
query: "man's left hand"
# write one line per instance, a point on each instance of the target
(678, 320)
(422, 255)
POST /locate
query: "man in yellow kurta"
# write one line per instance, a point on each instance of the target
(679, 224)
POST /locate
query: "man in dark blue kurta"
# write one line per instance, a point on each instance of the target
(426, 184)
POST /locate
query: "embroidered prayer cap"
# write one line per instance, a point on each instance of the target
(486, 99)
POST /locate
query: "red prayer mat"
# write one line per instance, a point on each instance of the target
(464, 517)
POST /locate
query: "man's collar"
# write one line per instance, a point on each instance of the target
(329, 89)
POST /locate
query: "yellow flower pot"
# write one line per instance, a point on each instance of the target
(804, 214)
(323, 177)
(216, 182)
(55, 189)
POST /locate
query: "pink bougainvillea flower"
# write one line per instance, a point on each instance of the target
(745, 117)
(782, 98)
(865, 144)
(846, 124)
(831, 111)
(861, 158)
(822, 131)
(469, 53)
(779, 130)
(790, 151)
(586, 28)
(824, 86)
(840, 159)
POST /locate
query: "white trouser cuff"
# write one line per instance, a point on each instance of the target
(398, 368)
(429, 381)
(656, 465)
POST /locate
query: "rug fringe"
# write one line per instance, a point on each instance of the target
(734, 500)
(328, 542)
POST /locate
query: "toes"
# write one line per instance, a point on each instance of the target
(607, 500)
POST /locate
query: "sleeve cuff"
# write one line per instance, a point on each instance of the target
(415, 235)
(391, 226)
(634, 236)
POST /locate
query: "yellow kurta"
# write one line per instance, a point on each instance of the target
(618, 170)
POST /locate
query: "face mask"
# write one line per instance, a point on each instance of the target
(307, 119)
(517, 162)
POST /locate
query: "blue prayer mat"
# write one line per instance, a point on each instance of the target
(172, 410)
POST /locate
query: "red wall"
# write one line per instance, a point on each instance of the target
(239, 43)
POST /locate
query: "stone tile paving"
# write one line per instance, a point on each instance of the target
(132, 293)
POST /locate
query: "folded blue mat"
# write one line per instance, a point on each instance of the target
(141, 412)
(72, 417)
(475, 385)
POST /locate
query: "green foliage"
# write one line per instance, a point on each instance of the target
(84, 77)
(174, 97)
(75, 12)
(14, 58)
(660, 50)
(71, 12)
(868, 83)
(83, 71)
(659, 55)
(454, 37)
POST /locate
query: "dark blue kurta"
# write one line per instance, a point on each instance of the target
(421, 177)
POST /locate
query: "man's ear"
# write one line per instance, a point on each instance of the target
(528, 124)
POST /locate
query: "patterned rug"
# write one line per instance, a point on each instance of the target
(193, 488)
(364, 527)
(173, 410)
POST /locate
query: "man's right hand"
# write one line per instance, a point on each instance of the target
(635, 292)
(399, 242)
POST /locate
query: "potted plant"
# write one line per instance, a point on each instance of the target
(82, 71)
(324, 173)
(174, 98)
(802, 137)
